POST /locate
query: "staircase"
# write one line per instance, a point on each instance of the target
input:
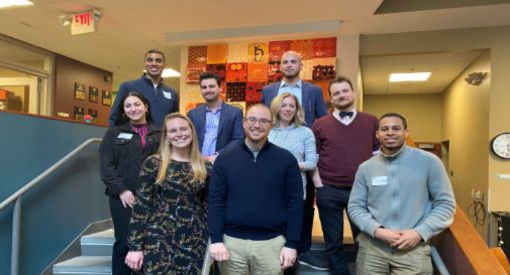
(97, 250)
(95, 259)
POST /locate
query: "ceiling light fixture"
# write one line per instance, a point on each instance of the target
(65, 20)
(168, 72)
(4, 4)
(405, 77)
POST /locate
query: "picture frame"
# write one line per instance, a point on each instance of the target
(93, 94)
(79, 91)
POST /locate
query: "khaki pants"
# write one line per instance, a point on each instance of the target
(248, 257)
(373, 260)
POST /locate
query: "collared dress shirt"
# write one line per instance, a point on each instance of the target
(295, 90)
(212, 121)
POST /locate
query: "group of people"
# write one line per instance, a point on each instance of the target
(249, 183)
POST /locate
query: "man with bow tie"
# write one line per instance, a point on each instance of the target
(345, 139)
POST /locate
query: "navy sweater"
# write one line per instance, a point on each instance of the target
(163, 100)
(256, 199)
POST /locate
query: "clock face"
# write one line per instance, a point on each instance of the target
(500, 145)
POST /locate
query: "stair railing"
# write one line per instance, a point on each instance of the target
(16, 199)
(206, 266)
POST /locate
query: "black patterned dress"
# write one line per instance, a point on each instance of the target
(169, 220)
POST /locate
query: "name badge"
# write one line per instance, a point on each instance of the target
(383, 180)
(125, 136)
(167, 95)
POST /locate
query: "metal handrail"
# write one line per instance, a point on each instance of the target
(436, 258)
(16, 199)
(208, 261)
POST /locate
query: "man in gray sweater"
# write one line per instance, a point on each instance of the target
(400, 199)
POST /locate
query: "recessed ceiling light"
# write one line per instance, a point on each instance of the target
(4, 4)
(168, 72)
(402, 77)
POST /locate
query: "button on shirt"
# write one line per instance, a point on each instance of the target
(212, 122)
(295, 90)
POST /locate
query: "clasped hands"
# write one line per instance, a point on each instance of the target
(399, 239)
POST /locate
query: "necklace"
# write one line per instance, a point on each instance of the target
(287, 130)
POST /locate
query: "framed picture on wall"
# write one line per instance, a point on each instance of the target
(79, 113)
(93, 94)
(79, 91)
(93, 114)
(107, 98)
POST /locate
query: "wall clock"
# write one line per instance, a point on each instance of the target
(500, 145)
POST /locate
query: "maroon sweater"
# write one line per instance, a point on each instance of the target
(342, 148)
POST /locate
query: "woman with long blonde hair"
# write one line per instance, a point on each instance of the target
(168, 230)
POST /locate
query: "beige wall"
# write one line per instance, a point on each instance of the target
(497, 40)
(422, 112)
(466, 126)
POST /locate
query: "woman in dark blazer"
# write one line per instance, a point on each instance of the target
(125, 146)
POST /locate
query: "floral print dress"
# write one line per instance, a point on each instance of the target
(169, 219)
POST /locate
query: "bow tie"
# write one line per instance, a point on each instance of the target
(344, 114)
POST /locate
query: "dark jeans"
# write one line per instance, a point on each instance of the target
(120, 218)
(305, 243)
(332, 202)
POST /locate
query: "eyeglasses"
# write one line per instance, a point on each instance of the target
(262, 121)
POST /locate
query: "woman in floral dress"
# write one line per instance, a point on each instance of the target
(168, 229)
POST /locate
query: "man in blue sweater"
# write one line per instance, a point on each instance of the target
(255, 203)
(400, 199)
(163, 100)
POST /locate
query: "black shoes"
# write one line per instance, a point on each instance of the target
(310, 260)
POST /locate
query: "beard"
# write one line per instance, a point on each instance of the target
(291, 75)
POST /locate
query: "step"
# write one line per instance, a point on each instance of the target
(85, 265)
(98, 244)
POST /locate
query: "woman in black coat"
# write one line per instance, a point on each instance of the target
(123, 150)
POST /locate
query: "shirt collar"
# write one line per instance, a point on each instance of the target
(148, 80)
(299, 84)
(207, 109)
(396, 154)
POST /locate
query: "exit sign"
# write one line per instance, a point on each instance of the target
(83, 23)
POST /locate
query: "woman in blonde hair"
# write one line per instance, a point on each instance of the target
(168, 230)
(289, 133)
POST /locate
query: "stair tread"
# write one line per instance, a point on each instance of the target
(103, 237)
(85, 263)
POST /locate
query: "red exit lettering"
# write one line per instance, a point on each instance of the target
(82, 19)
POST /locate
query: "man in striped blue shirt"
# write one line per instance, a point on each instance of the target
(218, 124)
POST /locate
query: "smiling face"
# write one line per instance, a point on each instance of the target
(342, 96)
(391, 134)
(257, 124)
(154, 64)
(290, 65)
(179, 133)
(210, 89)
(288, 110)
(135, 110)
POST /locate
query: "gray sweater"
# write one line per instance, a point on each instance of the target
(409, 190)
(300, 141)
